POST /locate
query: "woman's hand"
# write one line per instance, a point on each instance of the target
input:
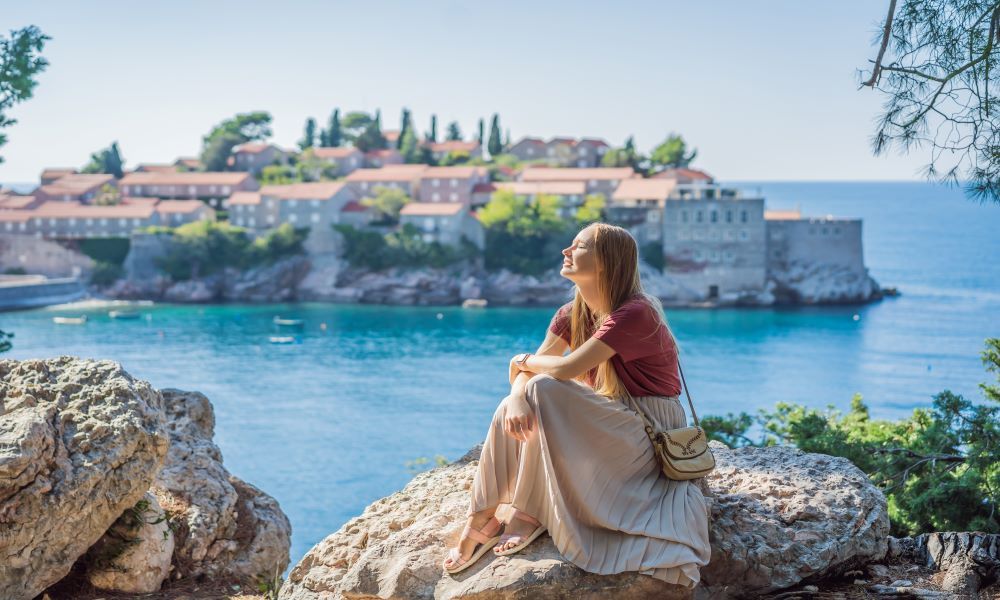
(518, 421)
(514, 370)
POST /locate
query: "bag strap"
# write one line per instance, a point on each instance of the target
(687, 393)
(636, 408)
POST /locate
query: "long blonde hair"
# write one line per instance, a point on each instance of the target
(617, 282)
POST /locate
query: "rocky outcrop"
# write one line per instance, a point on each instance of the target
(966, 562)
(80, 442)
(134, 555)
(224, 526)
(779, 516)
(821, 283)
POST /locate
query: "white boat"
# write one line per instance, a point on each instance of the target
(70, 320)
(474, 303)
(123, 314)
(288, 322)
(282, 339)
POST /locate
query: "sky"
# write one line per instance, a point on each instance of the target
(764, 89)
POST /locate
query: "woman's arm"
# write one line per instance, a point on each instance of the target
(520, 422)
(590, 354)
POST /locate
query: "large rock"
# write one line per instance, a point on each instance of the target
(80, 442)
(966, 562)
(800, 282)
(133, 556)
(779, 516)
(225, 526)
(276, 282)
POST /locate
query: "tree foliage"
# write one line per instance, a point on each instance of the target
(309, 134)
(671, 153)
(20, 63)
(333, 136)
(495, 144)
(109, 160)
(523, 237)
(201, 248)
(454, 133)
(432, 135)
(937, 70)
(591, 211)
(387, 203)
(403, 248)
(409, 146)
(938, 468)
(219, 143)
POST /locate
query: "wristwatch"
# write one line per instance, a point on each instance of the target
(520, 358)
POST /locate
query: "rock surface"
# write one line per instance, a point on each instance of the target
(779, 516)
(802, 283)
(80, 442)
(133, 556)
(967, 561)
(225, 526)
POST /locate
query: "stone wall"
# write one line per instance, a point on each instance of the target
(41, 257)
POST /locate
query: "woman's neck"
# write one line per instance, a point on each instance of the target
(592, 298)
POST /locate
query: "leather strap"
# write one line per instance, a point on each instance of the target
(649, 425)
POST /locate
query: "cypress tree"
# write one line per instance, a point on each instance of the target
(404, 128)
(309, 136)
(479, 138)
(333, 134)
(495, 145)
(454, 132)
(432, 135)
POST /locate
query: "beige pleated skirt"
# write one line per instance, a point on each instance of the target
(588, 473)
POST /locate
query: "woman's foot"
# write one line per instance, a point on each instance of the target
(482, 529)
(518, 533)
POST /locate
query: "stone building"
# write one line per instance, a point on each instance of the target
(451, 184)
(75, 187)
(347, 158)
(600, 180)
(444, 222)
(213, 188)
(253, 157)
(403, 177)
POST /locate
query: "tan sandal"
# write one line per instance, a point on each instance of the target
(486, 537)
(539, 530)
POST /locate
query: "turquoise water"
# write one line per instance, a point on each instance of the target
(328, 425)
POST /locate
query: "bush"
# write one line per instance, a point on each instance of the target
(403, 248)
(106, 273)
(524, 237)
(108, 250)
(938, 468)
(652, 254)
(15, 271)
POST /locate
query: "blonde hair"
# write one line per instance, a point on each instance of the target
(617, 282)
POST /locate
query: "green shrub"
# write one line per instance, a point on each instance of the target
(106, 273)
(652, 254)
(108, 250)
(403, 248)
(938, 468)
(524, 237)
(15, 271)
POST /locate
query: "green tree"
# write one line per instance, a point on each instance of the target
(309, 135)
(936, 70)
(524, 237)
(591, 210)
(334, 136)
(387, 203)
(371, 138)
(354, 124)
(219, 143)
(455, 157)
(20, 63)
(108, 195)
(482, 130)
(454, 132)
(108, 160)
(277, 175)
(409, 147)
(432, 135)
(672, 153)
(405, 126)
(5, 340)
(309, 168)
(495, 144)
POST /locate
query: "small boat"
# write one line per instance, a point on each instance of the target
(287, 322)
(282, 339)
(70, 320)
(474, 303)
(123, 314)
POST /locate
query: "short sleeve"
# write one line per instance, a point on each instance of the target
(631, 331)
(560, 324)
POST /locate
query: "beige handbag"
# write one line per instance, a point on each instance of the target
(682, 453)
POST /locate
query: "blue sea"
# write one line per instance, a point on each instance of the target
(334, 422)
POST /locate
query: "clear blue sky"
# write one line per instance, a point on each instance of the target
(763, 89)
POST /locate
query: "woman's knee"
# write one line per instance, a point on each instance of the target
(539, 386)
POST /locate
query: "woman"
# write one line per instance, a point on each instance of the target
(573, 459)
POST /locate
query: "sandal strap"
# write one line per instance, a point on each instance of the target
(484, 535)
(518, 514)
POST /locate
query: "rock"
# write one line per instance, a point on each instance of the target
(80, 442)
(968, 560)
(225, 526)
(320, 283)
(799, 282)
(878, 571)
(134, 555)
(207, 289)
(277, 282)
(779, 515)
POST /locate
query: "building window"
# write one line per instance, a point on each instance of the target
(684, 216)
(653, 216)
(225, 189)
(436, 182)
(836, 231)
(252, 221)
(9, 226)
(436, 197)
(270, 219)
(729, 216)
(743, 216)
(90, 221)
(744, 235)
(314, 203)
(292, 203)
(137, 190)
(453, 197)
(697, 216)
(825, 231)
(104, 222)
(593, 183)
(52, 222)
(292, 218)
(714, 216)
(454, 182)
(429, 224)
(697, 255)
(192, 190)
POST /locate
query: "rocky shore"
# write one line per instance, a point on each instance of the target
(327, 278)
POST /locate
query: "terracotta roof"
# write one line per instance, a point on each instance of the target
(453, 172)
(530, 140)
(644, 189)
(14, 202)
(594, 142)
(782, 215)
(453, 146)
(335, 153)
(179, 206)
(430, 209)
(193, 163)
(76, 184)
(323, 190)
(57, 172)
(16, 216)
(66, 210)
(390, 134)
(252, 147)
(484, 188)
(150, 168)
(563, 140)
(382, 153)
(571, 174)
(388, 173)
(244, 198)
(557, 188)
(180, 178)
(354, 206)
(683, 173)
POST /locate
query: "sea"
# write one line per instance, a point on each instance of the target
(369, 395)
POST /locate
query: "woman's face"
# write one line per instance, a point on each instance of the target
(580, 260)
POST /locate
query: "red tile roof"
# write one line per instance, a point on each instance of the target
(563, 140)
(179, 206)
(530, 140)
(335, 153)
(572, 174)
(77, 184)
(555, 188)
(181, 178)
(66, 210)
(252, 148)
(382, 153)
(453, 146)
(404, 173)
(150, 168)
(431, 209)
(244, 198)
(458, 172)
(644, 189)
(323, 190)
(191, 163)
(354, 206)
(15, 202)
(55, 173)
(484, 188)
(594, 142)
(683, 173)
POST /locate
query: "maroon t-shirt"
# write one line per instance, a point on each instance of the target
(645, 356)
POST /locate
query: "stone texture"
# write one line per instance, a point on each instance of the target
(80, 442)
(225, 527)
(806, 283)
(779, 517)
(966, 561)
(277, 282)
(134, 555)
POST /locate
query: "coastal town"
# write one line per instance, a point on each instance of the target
(711, 243)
